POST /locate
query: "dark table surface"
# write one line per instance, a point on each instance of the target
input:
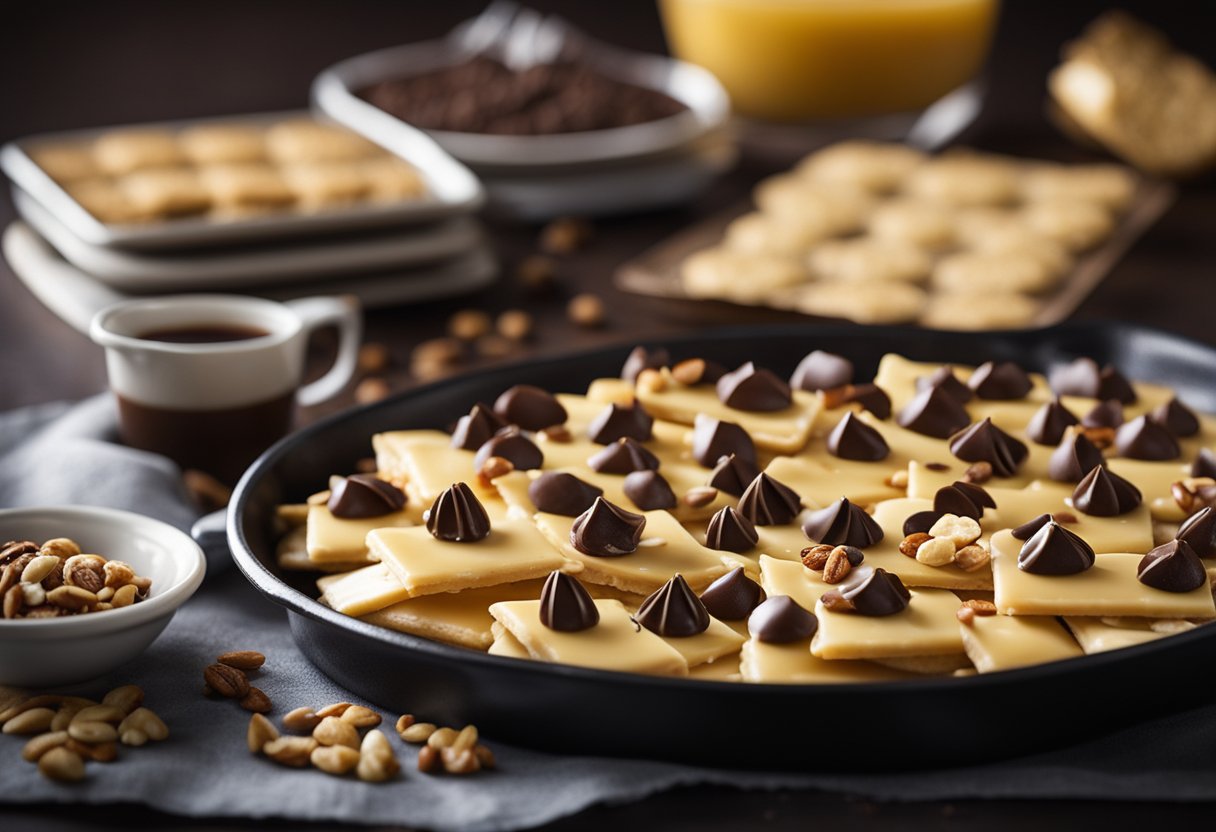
(79, 64)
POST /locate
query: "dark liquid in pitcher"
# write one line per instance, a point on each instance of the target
(204, 334)
(221, 442)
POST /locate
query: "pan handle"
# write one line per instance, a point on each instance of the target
(211, 534)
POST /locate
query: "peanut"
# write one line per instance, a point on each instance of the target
(301, 719)
(336, 709)
(333, 731)
(61, 547)
(336, 759)
(404, 721)
(124, 596)
(126, 698)
(442, 738)
(428, 759)
(937, 551)
(418, 732)
(961, 531)
(32, 721)
(41, 744)
(142, 719)
(261, 731)
(377, 762)
(459, 761)
(290, 751)
(39, 568)
(133, 737)
(689, 372)
(92, 732)
(972, 558)
(99, 713)
(361, 717)
(62, 765)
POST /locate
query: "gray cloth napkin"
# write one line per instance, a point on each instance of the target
(63, 454)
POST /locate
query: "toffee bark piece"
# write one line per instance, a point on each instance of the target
(880, 593)
(1177, 418)
(944, 379)
(674, 611)
(1199, 531)
(871, 397)
(1172, 567)
(530, 408)
(1107, 414)
(556, 492)
(1028, 529)
(985, 442)
(643, 359)
(934, 412)
(733, 596)
(606, 531)
(649, 490)
(512, 446)
(623, 457)
(730, 531)
(1048, 424)
(1054, 550)
(779, 620)
(1000, 381)
(1075, 457)
(364, 495)
(457, 516)
(767, 502)
(475, 428)
(821, 370)
(1083, 377)
(1142, 438)
(1204, 464)
(854, 439)
(565, 604)
(1102, 493)
(842, 524)
(732, 475)
(618, 421)
(754, 389)
(713, 439)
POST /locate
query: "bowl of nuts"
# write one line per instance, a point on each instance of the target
(86, 589)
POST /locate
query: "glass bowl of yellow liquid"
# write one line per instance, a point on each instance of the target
(799, 61)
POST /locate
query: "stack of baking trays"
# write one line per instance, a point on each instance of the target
(280, 204)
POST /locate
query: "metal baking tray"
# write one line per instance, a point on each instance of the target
(890, 726)
(452, 190)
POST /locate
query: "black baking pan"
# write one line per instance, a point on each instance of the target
(899, 725)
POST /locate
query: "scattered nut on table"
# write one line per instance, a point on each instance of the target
(586, 310)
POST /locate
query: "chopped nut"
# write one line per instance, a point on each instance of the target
(837, 396)
(515, 324)
(898, 479)
(966, 615)
(978, 473)
(361, 717)
(226, 681)
(816, 557)
(1064, 517)
(469, 324)
(700, 496)
(493, 468)
(651, 381)
(937, 551)
(837, 566)
(373, 358)
(256, 700)
(290, 751)
(912, 542)
(335, 759)
(428, 759)
(536, 272)
(301, 719)
(960, 531)
(689, 372)
(565, 235)
(62, 765)
(980, 606)
(1101, 437)
(418, 732)
(972, 558)
(243, 659)
(557, 433)
(833, 601)
(586, 310)
(261, 731)
(32, 595)
(372, 390)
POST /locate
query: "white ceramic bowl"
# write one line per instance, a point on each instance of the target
(59, 651)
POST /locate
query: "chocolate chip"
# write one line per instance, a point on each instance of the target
(753, 389)
(1000, 380)
(1204, 464)
(964, 499)
(648, 490)
(921, 522)
(779, 620)
(475, 429)
(565, 605)
(880, 593)
(531, 408)
(1105, 494)
(1113, 385)
(617, 421)
(1054, 550)
(1199, 531)
(364, 495)
(1177, 418)
(556, 492)
(512, 446)
(1172, 567)
(713, 439)
(730, 531)
(934, 412)
(1047, 425)
(644, 359)
(1028, 529)
(457, 516)
(854, 439)
(945, 380)
(871, 397)
(732, 475)
(1083, 378)
(822, 371)
(674, 611)
(1142, 438)
(623, 457)
(733, 596)
(842, 524)
(605, 530)
(985, 442)
(1107, 414)
(768, 502)
(1075, 457)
